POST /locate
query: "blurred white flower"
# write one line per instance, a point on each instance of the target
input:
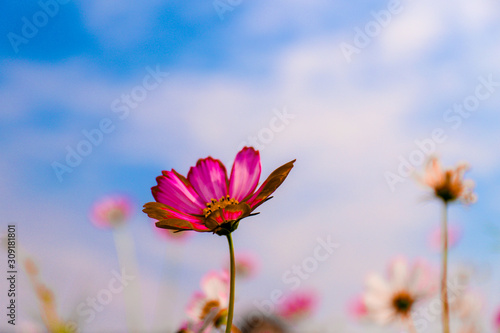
(387, 300)
(213, 299)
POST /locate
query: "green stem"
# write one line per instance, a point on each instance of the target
(444, 273)
(231, 290)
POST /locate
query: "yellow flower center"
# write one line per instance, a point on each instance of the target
(115, 216)
(449, 189)
(207, 308)
(215, 205)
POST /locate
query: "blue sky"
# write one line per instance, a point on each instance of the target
(350, 120)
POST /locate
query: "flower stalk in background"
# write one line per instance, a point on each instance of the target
(393, 299)
(208, 201)
(174, 252)
(448, 185)
(53, 323)
(435, 238)
(112, 213)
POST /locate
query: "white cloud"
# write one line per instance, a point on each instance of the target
(476, 16)
(418, 29)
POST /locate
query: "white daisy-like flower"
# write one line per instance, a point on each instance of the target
(387, 300)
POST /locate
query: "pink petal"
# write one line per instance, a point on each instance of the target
(298, 305)
(169, 218)
(357, 308)
(181, 225)
(209, 179)
(232, 216)
(171, 213)
(245, 173)
(175, 191)
(195, 306)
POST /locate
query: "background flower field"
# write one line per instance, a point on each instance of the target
(100, 97)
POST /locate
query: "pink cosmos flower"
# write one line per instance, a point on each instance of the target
(207, 200)
(298, 305)
(395, 298)
(211, 303)
(436, 240)
(111, 211)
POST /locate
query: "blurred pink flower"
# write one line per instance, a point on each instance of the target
(496, 321)
(213, 298)
(111, 211)
(246, 264)
(392, 299)
(207, 200)
(298, 305)
(357, 308)
(435, 237)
